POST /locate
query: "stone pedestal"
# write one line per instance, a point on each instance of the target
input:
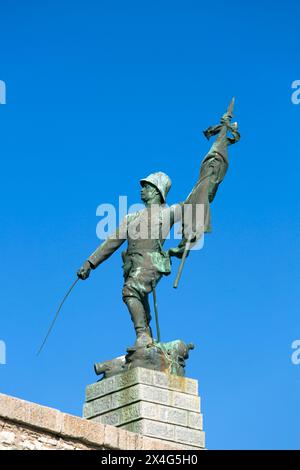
(151, 403)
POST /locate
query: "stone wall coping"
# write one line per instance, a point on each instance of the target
(93, 434)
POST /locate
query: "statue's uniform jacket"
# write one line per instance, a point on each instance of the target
(144, 261)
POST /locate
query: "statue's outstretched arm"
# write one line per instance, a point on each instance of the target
(213, 168)
(104, 251)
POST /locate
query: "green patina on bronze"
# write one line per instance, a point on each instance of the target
(165, 357)
(145, 261)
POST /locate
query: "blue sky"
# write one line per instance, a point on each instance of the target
(102, 93)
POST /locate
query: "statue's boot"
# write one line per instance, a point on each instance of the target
(143, 337)
(138, 317)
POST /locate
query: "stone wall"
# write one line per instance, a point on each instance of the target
(21, 437)
(28, 426)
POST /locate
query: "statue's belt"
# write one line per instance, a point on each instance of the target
(141, 251)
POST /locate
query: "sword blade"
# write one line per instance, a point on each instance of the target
(56, 315)
(184, 256)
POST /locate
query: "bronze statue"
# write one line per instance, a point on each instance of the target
(145, 261)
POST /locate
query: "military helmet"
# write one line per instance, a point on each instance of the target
(161, 181)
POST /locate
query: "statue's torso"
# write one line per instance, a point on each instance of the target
(146, 234)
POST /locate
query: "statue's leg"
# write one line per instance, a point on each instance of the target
(147, 312)
(133, 298)
(147, 308)
(138, 317)
(135, 303)
(137, 287)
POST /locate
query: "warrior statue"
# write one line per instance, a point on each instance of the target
(145, 261)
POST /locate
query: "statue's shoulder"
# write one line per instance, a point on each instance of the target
(131, 216)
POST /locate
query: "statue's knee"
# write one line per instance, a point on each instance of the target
(126, 293)
(130, 292)
(130, 299)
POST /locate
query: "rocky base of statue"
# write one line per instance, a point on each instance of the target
(164, 357)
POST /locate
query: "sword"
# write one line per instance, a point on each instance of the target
(182, 262)
(56, 315)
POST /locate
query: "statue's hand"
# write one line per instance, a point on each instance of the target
(84, 272)
(177, 252)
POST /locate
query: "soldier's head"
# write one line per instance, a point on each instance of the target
(155, 188)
